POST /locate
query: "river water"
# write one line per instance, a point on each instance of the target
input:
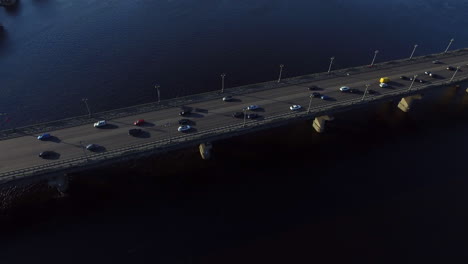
(379, 186)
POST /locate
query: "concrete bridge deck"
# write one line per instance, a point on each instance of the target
(213, 117)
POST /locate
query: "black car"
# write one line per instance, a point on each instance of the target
(227, 98)
(313, 88)
(252, 116)
(185, 112)
(420, 80)
(134, 131)
(185, 122)
(315, 94)
(370, 91)
(46, 154)
(404, 77)
(238, 115)
(450, 68)
(436, 61)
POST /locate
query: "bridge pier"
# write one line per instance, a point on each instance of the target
(319, 123)
(406, 102)
(205, 150)
(60, 182)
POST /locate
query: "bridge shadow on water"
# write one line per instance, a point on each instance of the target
(354, 194)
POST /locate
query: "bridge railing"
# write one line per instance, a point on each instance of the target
(173, 141)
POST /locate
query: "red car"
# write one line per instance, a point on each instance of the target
(139, 122)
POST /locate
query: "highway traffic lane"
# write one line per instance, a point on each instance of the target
(273, 111)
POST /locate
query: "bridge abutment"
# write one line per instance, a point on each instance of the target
(406, 102)
(320, 121)
(205, 150)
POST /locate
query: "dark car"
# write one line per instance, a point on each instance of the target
(436, 61)
(252, 116)
(185, 122)
(134, 131)
(315, 94)
(227, 98)
(93, 147)
(185, 112)
(404, 77)
(238, 115)
(46, 154)
(313, 88)
(370, 91)
(420, 80)
(450, 68)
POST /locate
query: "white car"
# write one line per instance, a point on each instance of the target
(253, 107)
(184, 128)
(344, 89)
(295, 107)
(100, 123)
(383, 85)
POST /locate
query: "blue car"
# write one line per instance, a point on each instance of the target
(44, 136)
(325, 97)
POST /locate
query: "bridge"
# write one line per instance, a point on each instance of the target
(212, 117)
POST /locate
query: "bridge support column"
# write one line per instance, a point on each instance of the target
(319, 123)
(406, 102)
(60, 182)
(205, 150)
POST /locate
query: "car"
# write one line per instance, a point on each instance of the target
(325, 97)
(252, 116)
(185, 112)
(184, 128)
(315, 94)
(383, 85)
(433, 75)
(344, 89)
(253, 107)
(313, 88)
(353, 90)
(450, 68)
(238, 115)
(185, 122)
(295, 107)
(46, 154)
(435, 61)
(420, 80)
(100, 123)
(404, 77)
(370, 91)
(427, 72)
(139, 122)
(134, 131)
(92, 147)
(227, 98)
(44, 136)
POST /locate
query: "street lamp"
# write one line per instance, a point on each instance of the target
(222, 82)
(414, 49)
(245, 116)
(365, 92)
(157, 90)
(85, 100)
(310, 102)
(448, 46)
(281, 71)
(375, 55)
(453, 76)
(414, 78)
(331, 62)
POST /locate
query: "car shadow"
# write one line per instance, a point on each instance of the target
(109, 126)
(147, 124)
(396, 84)
(99, 149)
(143, 134)
(201, 110)
(260, 109)
(53, 156)
(235, 100)
(54, 139)
(194, 115)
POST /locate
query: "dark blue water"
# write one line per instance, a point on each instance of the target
(380, 187)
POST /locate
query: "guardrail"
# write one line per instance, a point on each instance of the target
(187, 138)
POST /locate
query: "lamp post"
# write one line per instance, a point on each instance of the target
(245, 116)
(414, 49)
(84, 151)
(310, 102)
(222, 82)
(448, 46)
(414, 78)
(85, 100)
(331, 62)
(365, 92)
(453, 76)
(281, 71)
(157, 90)
(375, 55)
